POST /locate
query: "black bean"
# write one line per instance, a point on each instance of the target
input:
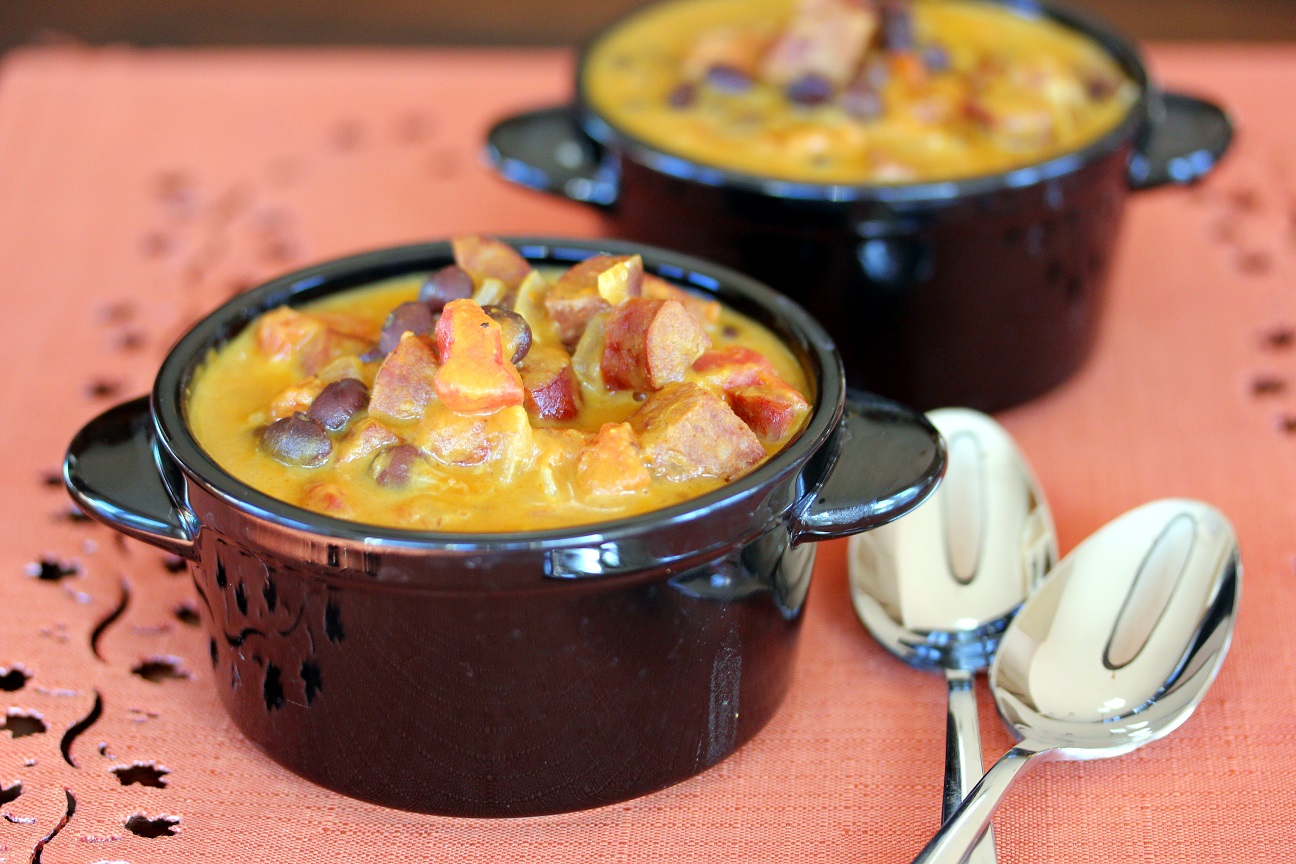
(897, 26)
(516, 332)
(337, 403)
(862, 102)
(728, 79)
(875, 74)
(411, 317)
(683, 96)
(392, 467)
(810, 90)
(1100, 87)
(297, 440)
(936, 58)
(444, 285)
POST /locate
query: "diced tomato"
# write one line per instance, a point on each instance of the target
(908, 67)
(475, 377)
(330, 498)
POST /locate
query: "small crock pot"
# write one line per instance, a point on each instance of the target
(981, 292)
(504, 674)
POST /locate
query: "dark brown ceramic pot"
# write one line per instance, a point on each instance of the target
(505, 674)
(981, 292)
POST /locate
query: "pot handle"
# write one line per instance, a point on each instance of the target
(115, 473)
(1186, 137)
(549, 151)
(890, 459)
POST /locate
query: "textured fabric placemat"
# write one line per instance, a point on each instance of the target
(139, 189)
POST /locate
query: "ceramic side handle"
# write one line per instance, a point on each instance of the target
(547, 150)
(1186, 137)
(891, 459)
(115, 473)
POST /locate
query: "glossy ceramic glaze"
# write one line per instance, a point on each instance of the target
(981, 292)
(505, 674)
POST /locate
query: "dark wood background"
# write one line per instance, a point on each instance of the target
(510, 22)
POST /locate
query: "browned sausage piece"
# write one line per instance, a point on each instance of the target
(486, 258)
(404, 386)
(826, 38)
(650, 343)
(552, 391)
(590, 287)
(771, 410)
(734, 366)
(686, 431)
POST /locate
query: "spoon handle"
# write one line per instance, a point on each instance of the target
(955, 839)
(963, 754)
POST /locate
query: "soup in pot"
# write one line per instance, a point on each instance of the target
(855, 91)
(489, 396)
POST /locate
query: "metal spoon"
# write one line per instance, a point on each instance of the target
(1114, 650)
(938, 587)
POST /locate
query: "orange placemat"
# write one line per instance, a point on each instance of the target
(139, 189)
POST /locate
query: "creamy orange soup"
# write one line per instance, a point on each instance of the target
(855, 91)
(492, 397)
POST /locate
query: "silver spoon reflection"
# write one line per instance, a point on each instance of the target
(937, 587)
(1115, 649)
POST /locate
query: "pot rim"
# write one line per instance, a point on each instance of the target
(807, 339)
(1119, 47)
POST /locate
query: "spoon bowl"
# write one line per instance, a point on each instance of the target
(1160, 636)
(937, 587)
(1116, 649)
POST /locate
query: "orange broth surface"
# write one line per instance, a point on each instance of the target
(968, 88)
